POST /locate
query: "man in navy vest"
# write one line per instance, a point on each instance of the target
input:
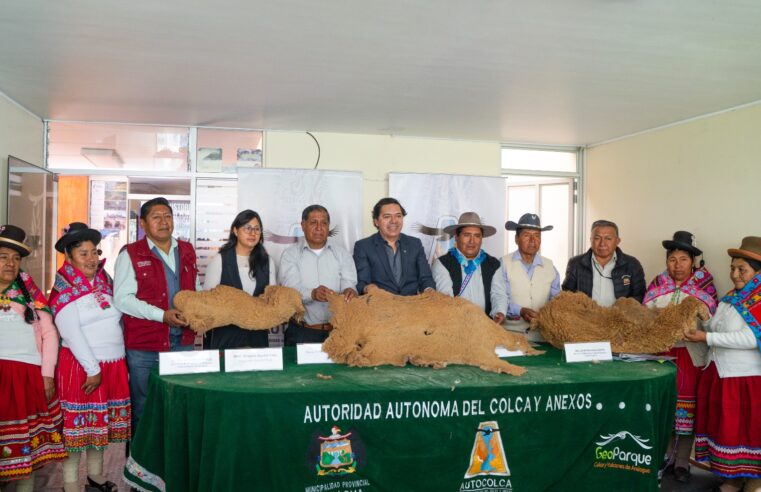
(467, 271)
(148, 273)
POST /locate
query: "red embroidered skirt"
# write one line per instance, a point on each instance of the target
(30, 426)
(103, 416)
(687, 376)
(728, 430)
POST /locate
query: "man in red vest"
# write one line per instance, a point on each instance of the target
(148, 273)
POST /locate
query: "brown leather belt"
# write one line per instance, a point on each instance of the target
(318, 326)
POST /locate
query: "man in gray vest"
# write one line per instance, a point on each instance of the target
(531, 279)
(467, 271)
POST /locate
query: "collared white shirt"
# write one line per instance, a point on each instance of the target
(602, 282)
(304, 270)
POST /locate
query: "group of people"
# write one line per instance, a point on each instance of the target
(92, 391)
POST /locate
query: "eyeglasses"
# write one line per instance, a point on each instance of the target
(251, 229)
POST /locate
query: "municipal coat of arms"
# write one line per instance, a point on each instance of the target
(336, 456)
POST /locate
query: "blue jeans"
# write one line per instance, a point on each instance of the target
(140, 363)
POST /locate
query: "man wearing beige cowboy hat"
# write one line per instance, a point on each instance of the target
(467, 271)
(532, 280)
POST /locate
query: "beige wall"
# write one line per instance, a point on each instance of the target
(701, 176)
(377, 155)
(21, 135)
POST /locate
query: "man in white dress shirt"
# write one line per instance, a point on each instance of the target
(317, 267)
(469, 272)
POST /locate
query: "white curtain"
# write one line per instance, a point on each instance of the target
(434, 201)
(280, 195)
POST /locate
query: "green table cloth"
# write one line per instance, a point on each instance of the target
(314, 428)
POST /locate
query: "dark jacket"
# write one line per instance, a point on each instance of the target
(145, 334)
(628, 276)
(373, 266)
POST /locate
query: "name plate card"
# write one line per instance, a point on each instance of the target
(311, 353)
(190, 362)
(503, 352)
(587, 352)
(255, 359)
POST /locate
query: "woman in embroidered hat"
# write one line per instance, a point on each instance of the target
(728, 424)
(92, 372)
(682, 278)
(30, 416)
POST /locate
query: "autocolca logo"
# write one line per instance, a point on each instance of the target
(624, 451)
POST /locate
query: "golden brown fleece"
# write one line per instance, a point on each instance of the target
(429, 329)
(630, 326)
(225, 305)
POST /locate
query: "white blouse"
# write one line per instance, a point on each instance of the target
(93, 334)
(17, 340)
(214, 273)
(732, 345)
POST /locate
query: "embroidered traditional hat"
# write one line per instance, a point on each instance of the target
(749, 249)
(683, 240)
(470, 219)
(77, 231)
(13, 237)
(527, 221)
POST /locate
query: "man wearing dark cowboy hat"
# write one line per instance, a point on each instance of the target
(605, 273)
(467, 271)
(147, 275)
(532, 279)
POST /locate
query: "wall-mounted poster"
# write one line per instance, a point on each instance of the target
(434, 201)
(209, 160)
(249, 157)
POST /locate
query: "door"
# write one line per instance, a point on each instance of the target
(32, 204)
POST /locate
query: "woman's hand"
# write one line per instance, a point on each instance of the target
(693, 335)
(49, 387)
(91, 384)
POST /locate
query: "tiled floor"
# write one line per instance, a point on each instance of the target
(49, 478)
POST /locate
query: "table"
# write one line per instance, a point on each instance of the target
(583, 426)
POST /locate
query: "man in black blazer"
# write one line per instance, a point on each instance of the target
(388, 259)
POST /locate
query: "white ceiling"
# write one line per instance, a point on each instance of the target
(557, 72)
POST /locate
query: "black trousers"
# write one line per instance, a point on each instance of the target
(300, 334)
(231, 336)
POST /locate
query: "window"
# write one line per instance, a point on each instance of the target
(227, 150)
(93, 146)
(107, 171)
(544, 181)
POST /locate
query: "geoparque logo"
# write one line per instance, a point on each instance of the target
(623, 450)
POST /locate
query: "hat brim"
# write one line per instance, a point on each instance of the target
(514, 226)
(21, 248)
(487, 230)
(73, 237)
(670, 244)
(743, 253)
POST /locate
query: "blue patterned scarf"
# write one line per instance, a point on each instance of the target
(746, 302)
(469, 266)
